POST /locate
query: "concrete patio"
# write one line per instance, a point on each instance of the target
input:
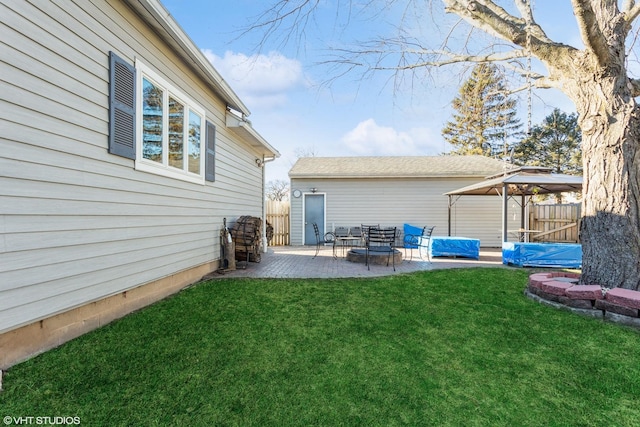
(299, 262)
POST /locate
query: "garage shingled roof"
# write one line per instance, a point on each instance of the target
(397, 167)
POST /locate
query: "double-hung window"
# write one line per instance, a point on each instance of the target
(170, 129)
(157, 125)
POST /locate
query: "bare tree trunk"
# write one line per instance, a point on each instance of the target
(610, 233)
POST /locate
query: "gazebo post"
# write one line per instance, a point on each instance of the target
(505, 204)
(449, 218)
(523, 213)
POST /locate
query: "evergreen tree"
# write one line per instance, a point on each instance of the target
(554, 143)
(485, 117)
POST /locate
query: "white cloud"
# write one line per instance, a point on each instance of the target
(259, 80)
(370, 139)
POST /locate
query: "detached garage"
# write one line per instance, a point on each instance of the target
(392, 191)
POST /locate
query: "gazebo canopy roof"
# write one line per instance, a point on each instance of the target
(523, 181)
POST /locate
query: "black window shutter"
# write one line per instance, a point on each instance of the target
(210, 153)
(122, 107)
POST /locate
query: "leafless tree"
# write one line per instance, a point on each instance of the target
(595, 77)
(300, 152)
(277, 190)
(309, 151)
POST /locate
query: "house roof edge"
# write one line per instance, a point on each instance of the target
(159, 18)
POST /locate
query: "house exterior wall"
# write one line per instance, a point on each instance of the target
(394, 202)
(79, 224)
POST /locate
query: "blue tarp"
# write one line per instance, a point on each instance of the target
(455, 246)
(565, 255)
(414, 231)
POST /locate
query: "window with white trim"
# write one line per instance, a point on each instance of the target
(170, 129)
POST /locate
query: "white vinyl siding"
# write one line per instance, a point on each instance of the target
(78, 224)
(394, 202)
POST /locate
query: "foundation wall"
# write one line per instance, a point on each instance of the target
(27, 341)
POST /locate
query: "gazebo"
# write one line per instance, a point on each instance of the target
(525, 182)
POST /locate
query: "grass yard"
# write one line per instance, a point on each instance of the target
(449, 347)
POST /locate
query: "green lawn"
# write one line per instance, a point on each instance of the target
(449, 347)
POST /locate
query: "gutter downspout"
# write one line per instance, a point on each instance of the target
(523, 210)
(264, 202)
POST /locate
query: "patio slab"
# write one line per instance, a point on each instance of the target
(298, 262)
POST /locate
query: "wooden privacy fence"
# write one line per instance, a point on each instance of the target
(278, 214)
(555, 223)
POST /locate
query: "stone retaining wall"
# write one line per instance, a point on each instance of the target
(560, 289)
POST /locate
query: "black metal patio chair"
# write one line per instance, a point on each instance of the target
(357, 232)
(365, 231)
(341, 231)
(328, 237)
(344, 238)
(381, 240)
(421, 243)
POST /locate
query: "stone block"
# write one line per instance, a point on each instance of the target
(621, 319)
(580, 303)
(624, 297)
(555, 287)
(561, 299)
(566, 274)
(590, 292)
(538, 279)
(534, 290)
(609, 306)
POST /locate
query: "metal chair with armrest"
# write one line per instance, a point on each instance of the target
(421, 243)
(381, 240)
(365, 231)
(357, 232)
(328, 237)
(344, 238)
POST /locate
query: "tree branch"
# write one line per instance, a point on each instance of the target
(540, 82)
(408, 54)
(628, 5)
(452, 58)
(272, 19)
(439, 58)
(632, 13)
(489, 17)
(525, 10)
(590, 31)
(635, 87)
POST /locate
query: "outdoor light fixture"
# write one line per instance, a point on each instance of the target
(314, 189)
(259, 162)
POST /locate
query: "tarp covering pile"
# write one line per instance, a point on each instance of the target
(562, 255)
(455, 246)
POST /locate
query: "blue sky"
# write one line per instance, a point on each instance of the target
(294, 109)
